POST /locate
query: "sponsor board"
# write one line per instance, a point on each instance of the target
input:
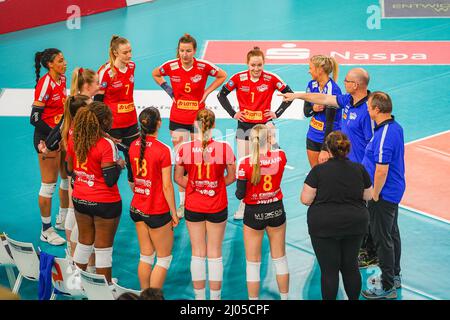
(345, 52)
(415, 8)
(17, 102)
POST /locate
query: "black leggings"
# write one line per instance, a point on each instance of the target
(334, 255)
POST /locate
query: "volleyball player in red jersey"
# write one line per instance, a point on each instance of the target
(259, 178)
(94, 161)
(153, 206)
(47, 110)
(188, 77)
(116, 90)
(254, 91)
(206, 208)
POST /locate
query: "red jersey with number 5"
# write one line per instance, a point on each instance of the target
(206, 190)
(148, 185)
(268, 189)
(53, 94)
(254, 98)
(89, 182)
(188, 87)
(119, 89)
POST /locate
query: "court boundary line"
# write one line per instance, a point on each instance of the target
(428, 137)
(423, 213)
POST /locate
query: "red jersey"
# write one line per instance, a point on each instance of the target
(148, 186)
(254, 98)
(268, 189)
(53, 94)
(119, 94)
(206, 190)
(188, 87)
(89, 182)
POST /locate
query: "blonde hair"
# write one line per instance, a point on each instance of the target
(206, 119)
(114, 46)
(81, 76)
(259, 136)
(328, 64)
(255, 52)
(186, 38)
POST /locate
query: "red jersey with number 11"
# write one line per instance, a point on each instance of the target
(206, 190)
(268, 189)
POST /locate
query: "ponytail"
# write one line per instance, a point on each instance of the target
(37, 65)
(328, 64)
(259, 136)
(206, 118)
(143, 135)
(148, 120)
(80, 77)
(335, 68)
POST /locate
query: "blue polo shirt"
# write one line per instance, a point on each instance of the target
(356, 124)
(316, 131)
(388, 147)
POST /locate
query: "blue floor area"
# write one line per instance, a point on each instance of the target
(421, 101)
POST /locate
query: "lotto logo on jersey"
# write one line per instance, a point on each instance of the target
(196, 78)
(262, 88)
(253, 115)
(125, 107)
(187, 105)
(316, 124)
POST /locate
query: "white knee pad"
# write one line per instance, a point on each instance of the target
(148, 259)
(64, 184)
(82, 253)
(281, 265)
(47, 190)
(164, 262)
(198, 268)
(253, 270)
(103, 257)
(70, 219)
(215, 269)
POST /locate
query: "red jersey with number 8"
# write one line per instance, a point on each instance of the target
(53, 94)
(254, 98)
(268, 190)
(89, 182)
(148, 184)
(119, 89)
(188, 87)
(206, 190)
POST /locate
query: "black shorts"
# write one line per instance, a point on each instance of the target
(217, 217)
(260, 216)
(105, 210)
(175, 126)
(152, 220)
(313, 146)
(243, 130)
(128, 135)
(38, 136)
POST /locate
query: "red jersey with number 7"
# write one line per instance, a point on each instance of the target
(148, 183)
(255, 98)
(188, 87)
(89, 182)
(119, 87)
(53, 94)
(268, 189)
(206, 190)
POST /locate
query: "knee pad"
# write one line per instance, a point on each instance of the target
(253, 270)
(281, 265)
(82, 253)
(198, 268)
(103, 257)
(147, 259)
(164, 262)
(47, 190)
(70, 219)
(64, 184)
(215, 269)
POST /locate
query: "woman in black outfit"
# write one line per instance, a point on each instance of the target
(338, 218)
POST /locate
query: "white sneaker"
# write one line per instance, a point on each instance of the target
(239, 214)
(52, 237)
(60, 222)
(180, 212)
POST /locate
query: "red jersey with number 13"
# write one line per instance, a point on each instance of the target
(119, 89)
(188, 87)
(268, 190)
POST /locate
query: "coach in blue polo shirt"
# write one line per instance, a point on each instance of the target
(384, 161)
(356, 122)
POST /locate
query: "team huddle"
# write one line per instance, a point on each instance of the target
(79, 137)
